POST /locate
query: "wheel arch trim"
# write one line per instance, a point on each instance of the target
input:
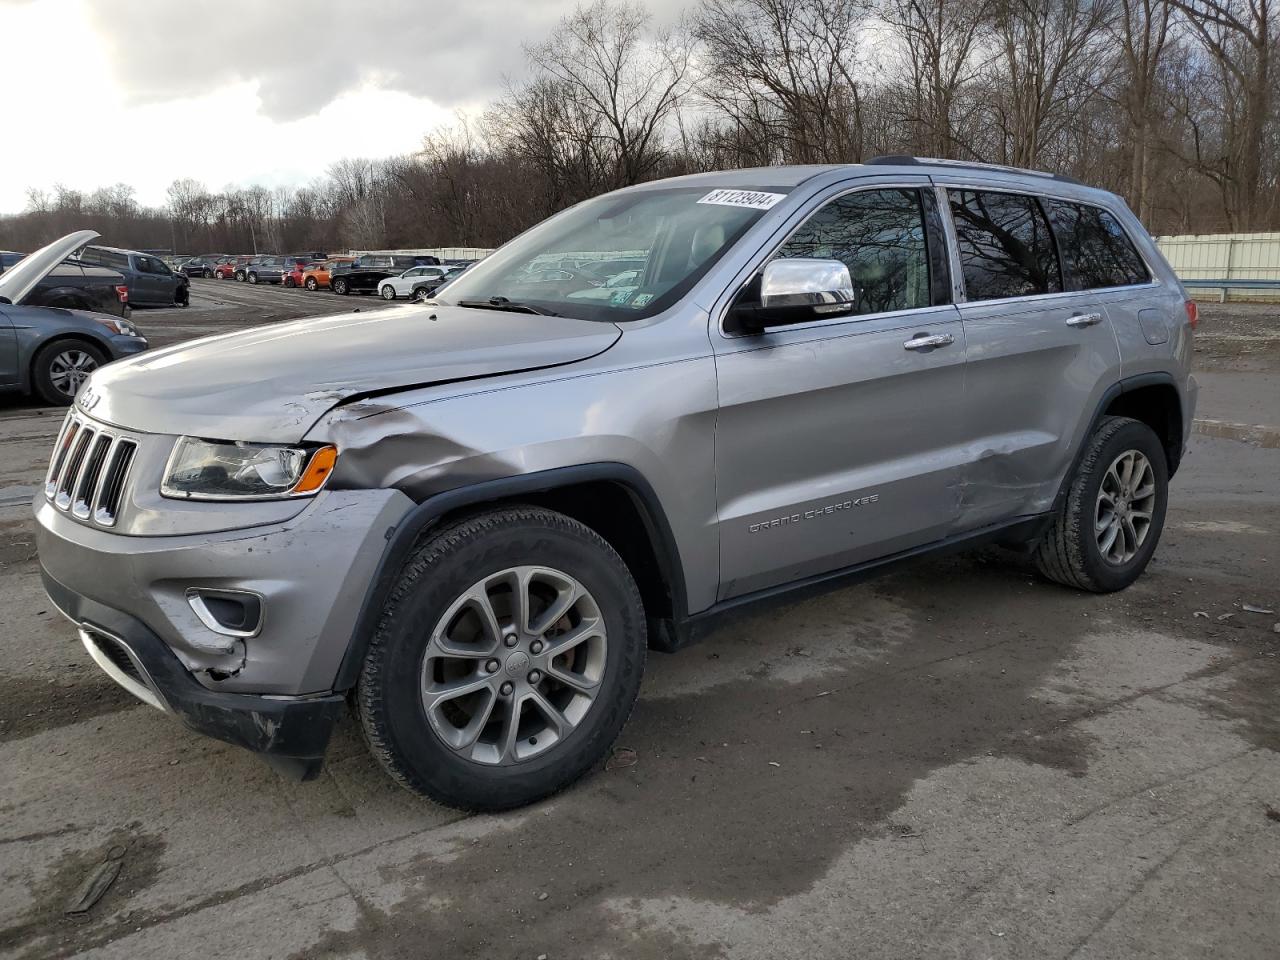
(402, 538)
(1109, 396)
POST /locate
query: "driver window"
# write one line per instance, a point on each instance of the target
(880, 236)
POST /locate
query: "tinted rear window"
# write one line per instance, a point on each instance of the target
(1096, 247)
(1006, 249)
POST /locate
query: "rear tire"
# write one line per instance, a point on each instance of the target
(60, 369)
(465, 750)
(1109, 523)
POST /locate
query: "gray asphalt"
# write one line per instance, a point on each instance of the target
(956, 761)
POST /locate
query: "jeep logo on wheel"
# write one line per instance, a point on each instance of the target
(517, 664)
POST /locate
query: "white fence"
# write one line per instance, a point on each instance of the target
(443, 253)
(1222, 257)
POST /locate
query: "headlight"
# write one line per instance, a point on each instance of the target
(123, 327)
(221, 470)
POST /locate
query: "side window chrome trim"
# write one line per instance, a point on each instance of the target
(759, 259)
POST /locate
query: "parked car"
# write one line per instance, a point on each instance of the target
(8, 258)
(470, 518)
(265, 270)
(50, 350)
(317, 277)
(73, 285)
(426, 289)
(230, 268)
(405, 283)
(289, 264)
(366, 274)
(296, 274)
(250, 263)
(150, 281)
(202, 266)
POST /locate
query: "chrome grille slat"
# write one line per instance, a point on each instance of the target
(111, 489)
(87, 483)
(89, 471)
(69, 423)
(60, 458)
(67, 482)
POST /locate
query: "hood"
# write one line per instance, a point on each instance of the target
(270, 384)
(21, 278)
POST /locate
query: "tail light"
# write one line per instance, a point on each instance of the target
(1193, 314)
(123, 293)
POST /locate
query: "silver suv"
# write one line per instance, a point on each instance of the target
(469, 518)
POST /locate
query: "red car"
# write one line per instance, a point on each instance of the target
(293, 276)
(229, 268)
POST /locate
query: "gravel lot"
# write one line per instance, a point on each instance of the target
(956, 761)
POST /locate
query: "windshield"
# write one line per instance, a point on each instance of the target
(618, 257)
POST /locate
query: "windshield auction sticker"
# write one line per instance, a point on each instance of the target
(755, 199)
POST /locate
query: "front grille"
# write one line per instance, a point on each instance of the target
(89, 470)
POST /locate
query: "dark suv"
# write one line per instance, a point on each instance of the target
(150, 281)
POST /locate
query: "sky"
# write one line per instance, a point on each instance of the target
(241, 92)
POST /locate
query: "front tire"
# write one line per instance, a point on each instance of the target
(388, 292)
(340, 288)
(253, 279)
(506, 661)
(1110, 521)
(60, 369)
(311, 283)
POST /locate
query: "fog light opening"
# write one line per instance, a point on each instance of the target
(231, 613)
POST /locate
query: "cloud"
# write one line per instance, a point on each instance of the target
(303, 56)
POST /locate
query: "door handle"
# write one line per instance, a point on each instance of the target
(926, 342)
(1084, 320)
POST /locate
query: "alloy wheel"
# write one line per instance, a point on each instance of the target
(1126, 501)
(70, 369)
(514, 665)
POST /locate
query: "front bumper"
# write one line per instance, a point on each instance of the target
(311, 573)
(291, 732)
(122, 346)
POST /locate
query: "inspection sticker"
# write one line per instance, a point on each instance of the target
(755, 199)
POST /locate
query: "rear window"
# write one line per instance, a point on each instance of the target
(1096, 247)
(1006, 249)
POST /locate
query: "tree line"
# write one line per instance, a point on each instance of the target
(1171, 103)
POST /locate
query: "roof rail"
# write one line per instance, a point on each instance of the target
(906, 161)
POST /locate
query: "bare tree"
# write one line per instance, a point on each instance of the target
(608, 61)
(1241, 38)
(783, 73)
(1051, 60)
(943, 56)
(1142, 30)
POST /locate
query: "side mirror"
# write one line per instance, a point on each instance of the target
(795, 290)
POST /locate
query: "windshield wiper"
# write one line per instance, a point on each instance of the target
(503, 303)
